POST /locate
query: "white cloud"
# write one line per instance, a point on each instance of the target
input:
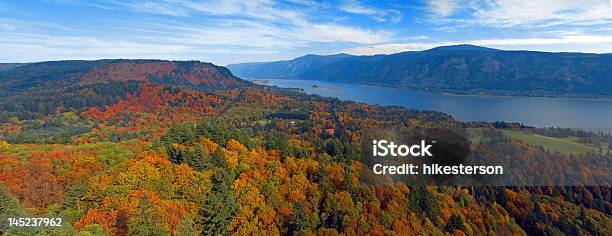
(33, 47)
(380, 15)
(262, 23)
(530, 14)
(12, 25)
(565, 43)
(256, 34)
(564, 40)
(328, 33)
(442, 8)
(196, 30)
(506, 13)
(255, 9)
(153, 7)
(391, 48)
(225, 41)
(310, 3)
(236, 29)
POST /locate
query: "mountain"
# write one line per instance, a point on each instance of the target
(35, 89)
(459, 68)
(18, 77)
(7, 66)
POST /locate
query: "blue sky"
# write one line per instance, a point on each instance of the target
(229, 31)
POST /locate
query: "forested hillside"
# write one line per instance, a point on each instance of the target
(460, 69)
(147, 147)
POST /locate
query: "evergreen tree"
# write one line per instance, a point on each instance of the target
(93, 230)
(301, 220)
(216, 130)
(9, 206)
(455, 223)
(424, 203)
(186, 227)
(197, 158)
(279, 141)
(220, 206)
(146, 220)
(73, 195)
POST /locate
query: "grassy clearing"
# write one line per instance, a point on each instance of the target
(565, 146)
(480, 139)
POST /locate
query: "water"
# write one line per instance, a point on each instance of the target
(533, 111)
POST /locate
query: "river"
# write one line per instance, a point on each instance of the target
(533, 111)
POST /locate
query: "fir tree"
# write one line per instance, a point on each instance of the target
(146, 220)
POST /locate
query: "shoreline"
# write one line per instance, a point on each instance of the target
(266, 82)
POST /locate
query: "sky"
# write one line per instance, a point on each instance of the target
(230, 31)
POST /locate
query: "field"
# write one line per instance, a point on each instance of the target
(565, 146)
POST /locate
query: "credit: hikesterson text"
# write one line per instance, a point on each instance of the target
(384, 148)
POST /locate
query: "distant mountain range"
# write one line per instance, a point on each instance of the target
(459, 69)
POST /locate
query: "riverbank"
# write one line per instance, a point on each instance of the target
(531, 111)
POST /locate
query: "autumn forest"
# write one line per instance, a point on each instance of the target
(150, 147)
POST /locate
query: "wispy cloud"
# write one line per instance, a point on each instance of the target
(235, 28)
(253, 34)
(527, 14)
(31, 47)
(161, 7)
(229, 31)
(504, 13)
(310, 3)
(563, 43)
(442, 8)
(257, 19)
(581, 39)
(12, 25)
(255, 9)
(380, 15)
